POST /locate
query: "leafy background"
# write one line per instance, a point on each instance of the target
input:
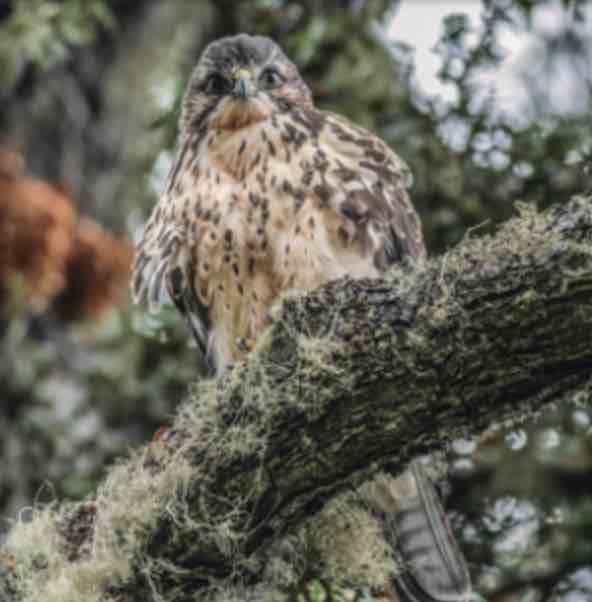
(89, 95)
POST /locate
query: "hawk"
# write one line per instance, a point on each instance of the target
(268, 193)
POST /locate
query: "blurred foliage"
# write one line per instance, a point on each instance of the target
(524, 506)
(90, 92)
(56, 257)
(73, 402)
(44, 32)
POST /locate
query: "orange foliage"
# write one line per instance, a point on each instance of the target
(97, 274)
(37, 224)
(44, 245)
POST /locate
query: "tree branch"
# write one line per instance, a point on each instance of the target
(355, 377)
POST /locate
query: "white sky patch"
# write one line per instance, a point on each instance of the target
(418, 23)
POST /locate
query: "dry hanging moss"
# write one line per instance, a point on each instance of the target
(228, 504)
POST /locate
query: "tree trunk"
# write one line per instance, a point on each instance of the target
(353, 378)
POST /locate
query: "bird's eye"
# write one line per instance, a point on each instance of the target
(217, 84)
(271, 78)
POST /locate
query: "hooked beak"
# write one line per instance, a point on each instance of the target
(244, 87)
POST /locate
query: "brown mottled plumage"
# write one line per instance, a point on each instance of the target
(268, 194)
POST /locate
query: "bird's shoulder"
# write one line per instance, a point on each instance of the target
(365, 181)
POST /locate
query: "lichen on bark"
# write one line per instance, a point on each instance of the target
(353, 378)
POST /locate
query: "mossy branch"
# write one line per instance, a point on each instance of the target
(353, 378)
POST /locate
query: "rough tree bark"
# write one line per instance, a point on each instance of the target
(355, 377)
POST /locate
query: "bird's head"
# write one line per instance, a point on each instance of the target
(239, 81)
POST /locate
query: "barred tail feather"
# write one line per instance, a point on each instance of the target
(433, 567)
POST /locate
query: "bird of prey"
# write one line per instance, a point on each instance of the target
(268, 194)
